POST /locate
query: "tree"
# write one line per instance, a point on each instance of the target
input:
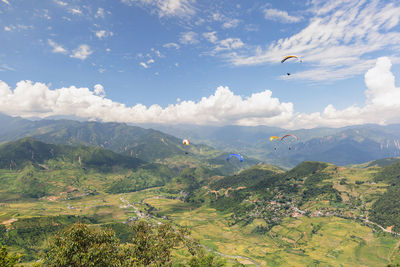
(206, 260)
(82, 246)
(6, 259)
(153, 244)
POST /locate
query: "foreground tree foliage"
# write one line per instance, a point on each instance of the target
(206, 260)
(83, 246)
(6, 259)
(151, 245)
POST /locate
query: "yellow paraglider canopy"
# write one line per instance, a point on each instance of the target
(291, 56)
(272, 138)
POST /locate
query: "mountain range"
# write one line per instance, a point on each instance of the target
(340, 146)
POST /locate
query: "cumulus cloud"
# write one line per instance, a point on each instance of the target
(337, 42)
(6, 2)
(382, 104)
(188, 38)
(223, 107)
(99, 90)
(56, 47)
(167, 8)
(82, 52)
(280, 15)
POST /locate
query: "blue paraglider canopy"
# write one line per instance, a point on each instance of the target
(235, 155)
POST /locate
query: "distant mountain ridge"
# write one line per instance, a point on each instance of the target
(341, 146)
(146, 144)
(15, 155)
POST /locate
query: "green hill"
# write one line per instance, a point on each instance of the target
(16, 155)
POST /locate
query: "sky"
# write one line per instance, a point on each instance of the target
(202, 62)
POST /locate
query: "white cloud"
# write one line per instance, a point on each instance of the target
(82, 52)
(167, 8)
(18, 27)
(230, 23)
(5, 1)
(171, 45)
(158, 53)
(45, 14)
(280, 15)
(229, 44)
(103, 34)
(217, 16)
(380, 81)
(222, 45)
(75, 11)
(99, 13)
(99, 90)
(337, 42)
(5, 67)
(56, 47)
(227, 21)
(211, 36)
(144, 65)
(188, 38)
(382, 104)
(61, 3)
(223, 107)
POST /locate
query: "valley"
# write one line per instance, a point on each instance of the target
(315, 214)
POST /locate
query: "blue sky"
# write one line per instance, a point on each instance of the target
(204, 62)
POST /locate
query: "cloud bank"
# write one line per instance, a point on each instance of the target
(382, 105)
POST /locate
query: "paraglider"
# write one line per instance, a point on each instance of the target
(290, 136)
(186, 142)
(292, 56)
(274, 138)
(235, 155)
(289, 57)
